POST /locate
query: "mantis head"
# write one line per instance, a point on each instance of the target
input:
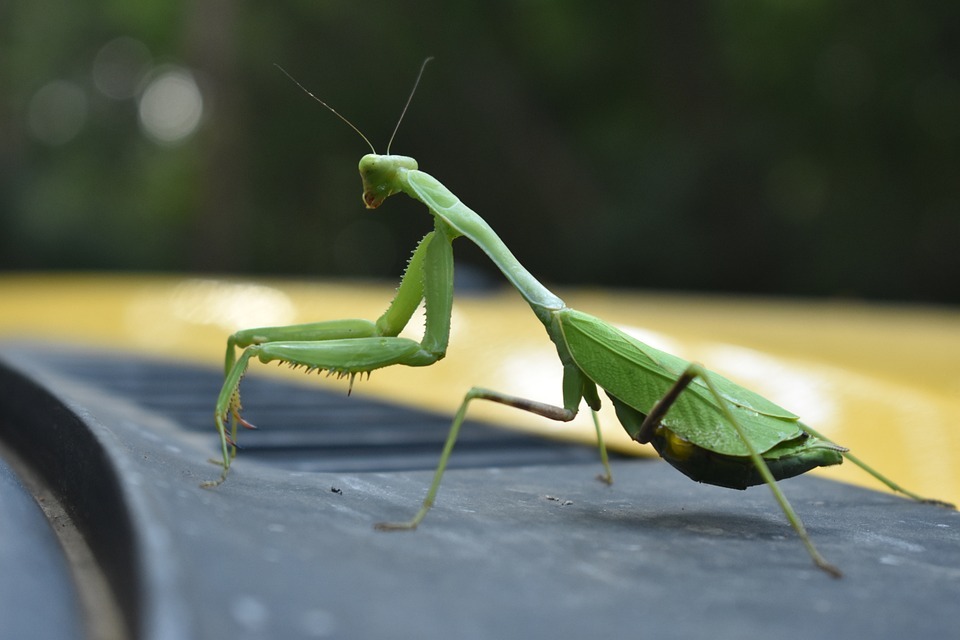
(380, 173)
(380, 176)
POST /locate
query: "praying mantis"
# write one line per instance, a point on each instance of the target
(706, 426)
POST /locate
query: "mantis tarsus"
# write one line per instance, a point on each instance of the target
(706, 426)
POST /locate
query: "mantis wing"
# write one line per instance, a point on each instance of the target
(639, 375)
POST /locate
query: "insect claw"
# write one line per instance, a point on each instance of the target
(831, 570)
(236, 416)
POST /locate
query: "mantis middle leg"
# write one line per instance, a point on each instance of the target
(553, 412)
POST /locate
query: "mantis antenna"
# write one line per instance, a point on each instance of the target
(416, 83)
(406, 106)
(332, 110)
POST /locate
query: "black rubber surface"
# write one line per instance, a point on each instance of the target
(523, 542)
(37, 594)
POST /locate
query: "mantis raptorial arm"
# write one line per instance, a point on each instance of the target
(391, 323)
(349, 347)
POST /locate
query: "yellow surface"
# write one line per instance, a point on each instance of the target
(882, 380)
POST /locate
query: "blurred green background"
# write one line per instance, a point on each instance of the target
(780, 147)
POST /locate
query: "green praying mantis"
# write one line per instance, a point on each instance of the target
(706, 426)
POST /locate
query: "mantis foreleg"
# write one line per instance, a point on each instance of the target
(394, 319)
(349, 347)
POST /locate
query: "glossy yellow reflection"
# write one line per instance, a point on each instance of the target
(883, 380)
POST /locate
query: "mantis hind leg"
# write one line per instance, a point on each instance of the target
(657, 414)
(540, 408)
(882, 478)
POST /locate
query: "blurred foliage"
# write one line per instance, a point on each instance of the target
(779, 147)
